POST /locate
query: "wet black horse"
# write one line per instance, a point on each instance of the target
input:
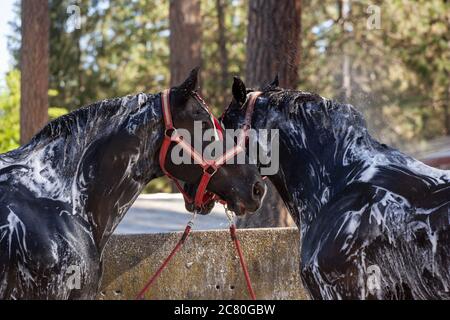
(374, 222)
(63, 194)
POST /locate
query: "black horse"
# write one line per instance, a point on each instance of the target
(374, 222)
(63, 194)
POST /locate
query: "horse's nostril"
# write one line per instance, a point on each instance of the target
(258, 190)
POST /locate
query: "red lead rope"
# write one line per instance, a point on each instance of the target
(165, 263)
(178, 246)
(241, 258)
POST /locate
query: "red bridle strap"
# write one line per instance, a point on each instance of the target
(251, 101)
(246, 127)
(209, 167)
(171, 135)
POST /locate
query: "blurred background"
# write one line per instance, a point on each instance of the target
(390, 59)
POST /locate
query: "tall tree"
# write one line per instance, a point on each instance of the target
(222, 46)
(273, 47)
(273, 41)
(34, 67)
(185, 38)
(185, 43)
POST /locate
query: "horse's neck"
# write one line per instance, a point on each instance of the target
(332, 155)
(98, 168)
(323, 161)
(118, 167)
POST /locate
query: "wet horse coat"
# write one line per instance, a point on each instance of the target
(374, 222)
(63, 194)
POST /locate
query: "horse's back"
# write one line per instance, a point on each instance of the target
(403, 234)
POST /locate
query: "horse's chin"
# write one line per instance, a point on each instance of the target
(238, 208)
(206, 209)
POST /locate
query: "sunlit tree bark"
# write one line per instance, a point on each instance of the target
(185, 38)
(273, 42)
(34, 67)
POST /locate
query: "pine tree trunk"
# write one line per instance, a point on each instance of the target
(185, 38)
(223, 53)
(34, 68)
(447, 111)
(273, 47)
(273, 42)
(185, 41)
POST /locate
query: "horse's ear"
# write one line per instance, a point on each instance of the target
(239, 90)
(275, 82)
(273, 85)
(190, 84)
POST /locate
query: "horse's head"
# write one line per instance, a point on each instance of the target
(240, 185)
(249, 108)
(275, 108)
(235, 114)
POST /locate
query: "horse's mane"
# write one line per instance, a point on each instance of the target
(80, 118)
(290, 101)
(281, 97)
(78, 121)
(65, 124)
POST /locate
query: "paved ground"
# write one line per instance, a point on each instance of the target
(164, 212)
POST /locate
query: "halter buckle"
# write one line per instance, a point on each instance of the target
(210, 170)
(169, 132)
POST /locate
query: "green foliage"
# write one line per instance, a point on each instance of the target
(9, 112)
(56, 112)
(121, 48)
(398, 74)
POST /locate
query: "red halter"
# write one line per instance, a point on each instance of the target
(210, 167)
(251, 101)
(202, 196)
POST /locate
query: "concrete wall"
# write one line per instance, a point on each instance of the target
(207, 267)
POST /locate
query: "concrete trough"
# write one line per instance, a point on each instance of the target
(207, 266)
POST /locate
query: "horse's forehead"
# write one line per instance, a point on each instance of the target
(198, 102)
(194, 104)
